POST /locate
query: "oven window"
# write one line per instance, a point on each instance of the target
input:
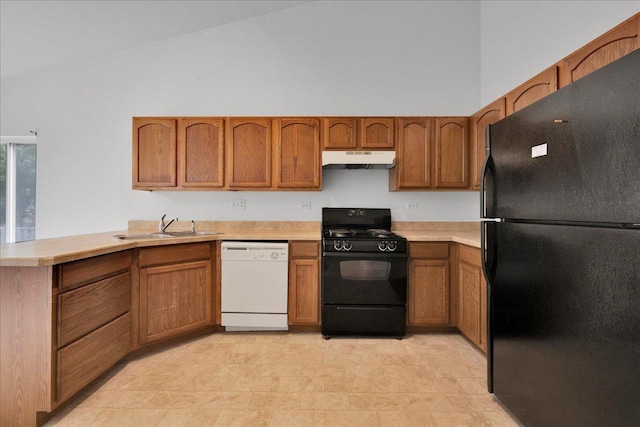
(365, 270)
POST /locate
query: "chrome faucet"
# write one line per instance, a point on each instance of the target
(162, 226)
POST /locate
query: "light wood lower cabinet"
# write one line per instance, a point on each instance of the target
(304, 283)
(85, 359)
(93, 326)
(428, 301)
(472, 305)
(175, 285)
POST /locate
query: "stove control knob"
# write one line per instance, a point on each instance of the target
(346, 246)
(392, 245)
(337, 246)
(382, 246)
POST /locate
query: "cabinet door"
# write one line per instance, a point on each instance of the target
(297, 147)
(174, 299)
(248, 153)
(154, 153)
(200, 152)
(614, 44)
(376, 133)
(483, 312)
(479, 122)
(428, 292)
(413, 153)
(452, 152)
(304, 292)
(532, 90)
(339, 133)
(469, 304)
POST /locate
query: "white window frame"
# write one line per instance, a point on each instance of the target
(12, 142)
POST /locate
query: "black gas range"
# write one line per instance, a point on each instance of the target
(364, 273)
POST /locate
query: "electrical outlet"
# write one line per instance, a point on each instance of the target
(238, 205)
(412, 205)
(305, 205)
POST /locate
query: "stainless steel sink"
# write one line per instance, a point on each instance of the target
(166, 235)
(190, 233)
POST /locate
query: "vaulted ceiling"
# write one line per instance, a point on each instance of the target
(40, 35)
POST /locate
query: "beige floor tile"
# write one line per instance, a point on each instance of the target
(274, 400)
(175, 399)
(128, 417)
(193, 417)
(324, 371)
(351, 419)
(473, 402)
(406, 419)
(461, 419)
(428, 402)
(324, 401)
(296, 379)
(74, 417)
(291, 370)
(378, 401)
(237, 418)
(197, 369)
(297, 418)
(225, 400)
(117, 399)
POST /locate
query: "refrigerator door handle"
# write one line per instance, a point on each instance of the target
(488, 260)
(486, 167)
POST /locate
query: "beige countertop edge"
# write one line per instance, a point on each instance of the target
(47, 252)
(470, 238)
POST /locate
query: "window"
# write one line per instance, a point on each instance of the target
(17, 189)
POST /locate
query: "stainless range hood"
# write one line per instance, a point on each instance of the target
(358, 159)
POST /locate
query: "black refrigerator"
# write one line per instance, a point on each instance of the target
(560, 201)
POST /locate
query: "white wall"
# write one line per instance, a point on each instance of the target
(322, 58)
(521, 38)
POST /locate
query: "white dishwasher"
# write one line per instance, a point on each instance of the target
(255, 286)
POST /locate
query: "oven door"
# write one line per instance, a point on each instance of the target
(364, 278)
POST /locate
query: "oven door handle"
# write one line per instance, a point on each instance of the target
(365, 255)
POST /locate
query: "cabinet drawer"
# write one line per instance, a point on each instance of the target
(173, 254)
(429, 250)
(78, 273)
(304, 250)
(84, 309)
(84, 360)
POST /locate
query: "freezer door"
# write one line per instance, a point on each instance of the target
(574, 155)
(565, 324)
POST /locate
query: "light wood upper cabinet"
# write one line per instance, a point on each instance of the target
(248, 146)
(614, 44)
(304, 283)
(532, 90)
(201, 152)
(428, 301)
(413, 167)
(451, 152)
(298, 163)
(154, 153)
(339, 133)
(376, 133)
(479, 122)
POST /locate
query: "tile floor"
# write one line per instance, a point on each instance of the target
(295, 379)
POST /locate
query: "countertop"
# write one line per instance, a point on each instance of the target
(65, 249)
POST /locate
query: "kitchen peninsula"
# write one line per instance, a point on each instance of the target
(73, 307)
